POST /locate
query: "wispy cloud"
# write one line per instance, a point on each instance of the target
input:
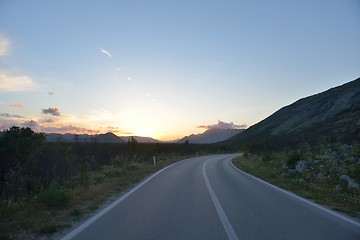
(128, 133)
(106, 52)
(112, 129)
(99, 114)
(44, 125)
(70, 129)
(46, 120)
(7, 115)
(52, 111)
(53, 126)
(16, 105)
(10, 83)
(15, 83)
(223, 125)
(4, 45)
(202, 78)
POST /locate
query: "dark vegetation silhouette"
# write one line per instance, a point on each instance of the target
(29, 164)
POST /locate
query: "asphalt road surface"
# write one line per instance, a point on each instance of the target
(208, 198)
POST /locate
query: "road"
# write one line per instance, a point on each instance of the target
(208, 198)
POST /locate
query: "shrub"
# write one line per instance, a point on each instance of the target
(292, 159)
(76, 213)
(18, 185)
(267, 158)
(20, 149)
(52, 228)
(118, 161)
(111, 171)
(356, 172)
(133, 166)
(96, 178)
(54, 198)
(48, 229)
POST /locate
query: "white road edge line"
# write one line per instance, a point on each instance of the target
(344, 218)
(224, 220)
(91, 220)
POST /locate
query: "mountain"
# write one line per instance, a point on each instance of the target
(332, 116)
(108, 137)
(211, 136)
(141, 139)
(68, 137)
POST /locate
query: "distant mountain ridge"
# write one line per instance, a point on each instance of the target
(107, 137)
(211, 136)
(68, 137)
(331, 115)
(141, 139)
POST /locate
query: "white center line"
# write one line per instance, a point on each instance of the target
(224, 220)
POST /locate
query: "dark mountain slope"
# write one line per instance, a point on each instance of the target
(333, 115)
(211, 136)
(108, 137)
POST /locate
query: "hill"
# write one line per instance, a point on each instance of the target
(211, 136)
(141, 139)
(68, 137)
(330, 116)
(107, 137)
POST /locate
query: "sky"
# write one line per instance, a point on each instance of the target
(166, 69)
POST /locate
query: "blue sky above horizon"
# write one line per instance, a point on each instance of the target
(163, 68)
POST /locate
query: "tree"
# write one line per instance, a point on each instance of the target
(132, 143)
(19, 152)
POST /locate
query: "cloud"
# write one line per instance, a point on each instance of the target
(8, 120)
(47, 120)
(4, 45)
(223, 125)
(16, 105)
(112, 128)
(116, 130)
(128, 133)
(129, 78)
(52, 111)
(48, 126)
(7, 115)
(41, 126)
(106, 52)
(202, 78)
(31, 124)
(70, 129)
(15, 83)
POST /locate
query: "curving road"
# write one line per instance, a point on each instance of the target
(208, 198)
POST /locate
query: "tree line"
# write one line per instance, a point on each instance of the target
(29, 164)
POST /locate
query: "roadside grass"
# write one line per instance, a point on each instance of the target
(59, 207)
(329, 192)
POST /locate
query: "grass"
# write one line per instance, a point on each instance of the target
(306, 184)
(52, 228)
(58, 207)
